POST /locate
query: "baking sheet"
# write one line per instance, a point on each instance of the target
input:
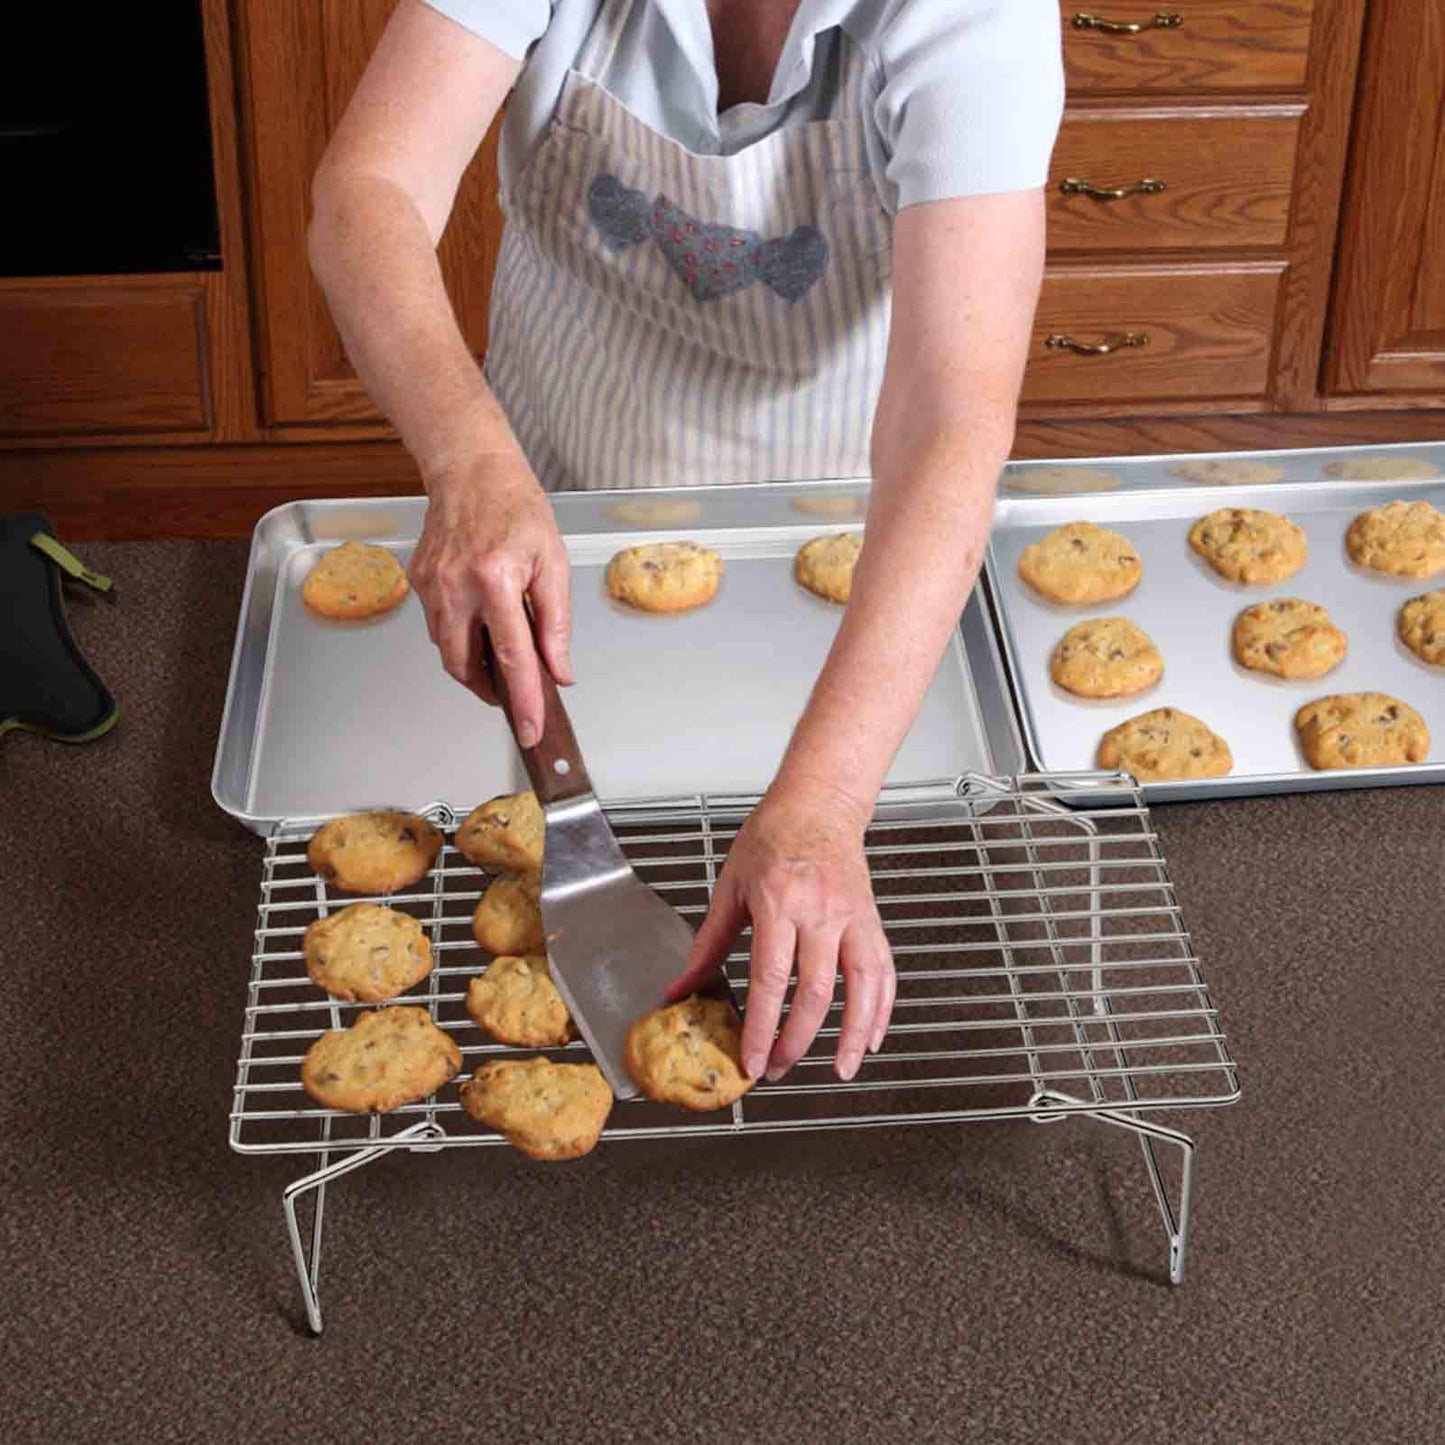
(325, 717)
(1189, 611)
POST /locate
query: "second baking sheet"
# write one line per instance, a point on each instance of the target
(1189, 611)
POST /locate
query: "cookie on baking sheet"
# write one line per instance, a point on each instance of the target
(1245, 545)
(830, 504)
(1106, 657)
(377, 852)
(1361, 730)
(1405, 539)
(547, 1110)
(354, 580)
(1224, 471)
(516, 1002)
(1080, 563)
(1288, 637)
(654, 511)
(664, 576)
(1421, 625)
(387, 1058)
(366, 953)
(507, 832)
(1165, 744)
(688, 1054)
(509, 918)
(1061, 481)
(824, 565)
(1383, 468)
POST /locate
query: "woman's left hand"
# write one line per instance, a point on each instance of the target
(797, 871)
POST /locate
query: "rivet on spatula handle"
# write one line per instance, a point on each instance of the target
(555, 764)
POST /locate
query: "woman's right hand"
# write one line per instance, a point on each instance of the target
(488, 546)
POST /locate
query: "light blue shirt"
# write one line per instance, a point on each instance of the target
(965, 96)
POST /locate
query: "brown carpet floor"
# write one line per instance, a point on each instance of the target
(986, 1283)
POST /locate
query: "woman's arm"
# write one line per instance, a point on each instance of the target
(966, 280)
(381, 199)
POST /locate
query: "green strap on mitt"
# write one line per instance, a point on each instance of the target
(46, 685)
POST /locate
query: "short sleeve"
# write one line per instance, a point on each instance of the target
(968, 97)
(513, 26)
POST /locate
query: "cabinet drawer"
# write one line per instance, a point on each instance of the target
(103, 356)
(1197, 333)
(1197, 178)
(1187, 45)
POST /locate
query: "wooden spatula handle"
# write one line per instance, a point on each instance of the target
(555, 764)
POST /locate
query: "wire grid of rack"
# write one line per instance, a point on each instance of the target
(1044, 970)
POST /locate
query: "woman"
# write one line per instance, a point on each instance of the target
(746, 240)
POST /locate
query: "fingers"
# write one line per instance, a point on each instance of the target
(884, 1015)
(774, 939)
(812, 998)
(552, 610)
(864, 984)
(724, 921)
(514, 656)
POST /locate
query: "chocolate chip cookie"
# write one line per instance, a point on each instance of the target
(1361, 730)
(516, 1002)
(1081, 563)
(547, 1110)
(1245, 545)
(353, 581)
(366, 953)
(664, 576)
(1404, 539)
(377, 852)
(387, 1058)
(509, 918)
(688, 1054)
(824, 565)
(1288, 637)
(507, 832)
(1106, 657)
(1162, 745)
(1421, 625)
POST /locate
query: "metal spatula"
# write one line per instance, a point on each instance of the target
(613, 945)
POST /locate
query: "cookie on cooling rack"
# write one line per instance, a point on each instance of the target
(1404, 539)
(825, 565)
(1163, 745)
(664, 576)
(1361, 730)
(1288, 637)
(1081, 563)
(1106, 657)
(1243, 544)
(689, 1053)
(366, 953)
(353, 581)
(1421, 625)
(507, 832)
(377, 852)
(545, 1109)
(387, 1058)
(509, 918)
(517, 1003)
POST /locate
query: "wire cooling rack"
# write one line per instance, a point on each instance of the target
(1044, 970)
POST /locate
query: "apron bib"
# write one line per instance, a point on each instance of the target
(663, 319)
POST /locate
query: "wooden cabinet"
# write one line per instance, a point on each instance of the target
(302, 59)
(1387, 330)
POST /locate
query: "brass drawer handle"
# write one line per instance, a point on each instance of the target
(1149, 186)
(1118, 341)
(1163, 20)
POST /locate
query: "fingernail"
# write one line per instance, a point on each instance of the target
(527, 734)
(847, 1068)
(753, 1065)
(775, 1072)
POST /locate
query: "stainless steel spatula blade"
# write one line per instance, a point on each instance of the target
(613, 945)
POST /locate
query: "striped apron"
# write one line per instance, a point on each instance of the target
(661, 318)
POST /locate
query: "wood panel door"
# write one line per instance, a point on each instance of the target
(1387, 333)
(303, 59)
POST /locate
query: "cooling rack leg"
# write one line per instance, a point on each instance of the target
(307, 1260)
(1175, 1225)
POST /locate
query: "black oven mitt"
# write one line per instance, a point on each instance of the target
(46, 685)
